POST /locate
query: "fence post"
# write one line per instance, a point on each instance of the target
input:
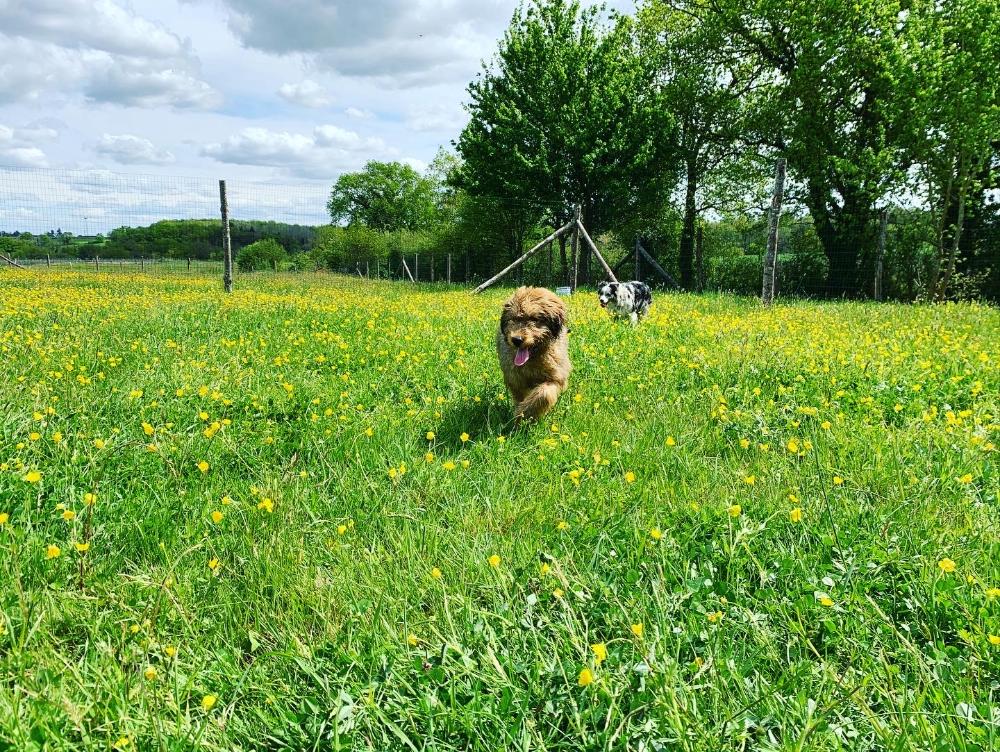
(416, 267)
(142, 264)
(638, 261)
(449, 268)
(227, 245)
(378, 269)
(189, 263)
(880, 258)
(575, 252)
(432, 268)
(699, 258)
(274, 263)
(771, 257)
(48, 261)
(97, 263)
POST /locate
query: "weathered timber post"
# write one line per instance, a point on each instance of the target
(699, 258)
(97, 263)
(638, 261)
(449, 269)
(880, 257)
(227, 244)
(575, 244)
(771, 257)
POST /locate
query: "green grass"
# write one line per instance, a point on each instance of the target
(659, 493)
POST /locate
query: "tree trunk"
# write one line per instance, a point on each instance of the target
(842, 233)
(949, 263)
(771, 259)
(686, 258)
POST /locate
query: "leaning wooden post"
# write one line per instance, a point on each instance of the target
(880, 257)
(227, 244)
(771, 258)
(575, 243)
(638, 261)
(405, 267)
(558, 233)
(593, 247)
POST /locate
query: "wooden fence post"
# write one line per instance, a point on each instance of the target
(699, 258)
(274, 263)
(449, 268)
(771, 257)
(638, 261)
(48, 261)
(432, 268)
(575, 244)
(97, 263)
(378, 269)
(416, 267)
(189, 264)
(880, 258)
(142, 264)
(227, 245)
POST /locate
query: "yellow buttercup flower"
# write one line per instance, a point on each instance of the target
(203, 466)
(655, 533)
(52, 551)
(586, 677)
(630, 477)
(208, 702)
(32, 476)
(946, 565)
(735, 510)
(494, 561)
(637, 629)
(600, 652)
(795, 515)
(436, 573)
(216, 516)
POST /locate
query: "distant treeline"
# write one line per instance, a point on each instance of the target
(170, 238)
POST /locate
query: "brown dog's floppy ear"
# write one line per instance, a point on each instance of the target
(555, 319)
(506, 313)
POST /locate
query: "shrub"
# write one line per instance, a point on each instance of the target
(737, 274)
(260, 255)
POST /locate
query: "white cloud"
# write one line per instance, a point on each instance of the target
(94, 24)
(129, 149)
(447, 119)
(98, 48)
(18, 146)
(400, 42)
(327, 151)
(359, 114)
(305, 93)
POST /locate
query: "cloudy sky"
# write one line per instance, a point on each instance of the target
(260, 92)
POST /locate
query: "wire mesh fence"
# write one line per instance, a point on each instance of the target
(95, 220)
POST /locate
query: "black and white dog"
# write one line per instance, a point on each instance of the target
(631, 299)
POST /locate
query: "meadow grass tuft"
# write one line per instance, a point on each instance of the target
(298, 517)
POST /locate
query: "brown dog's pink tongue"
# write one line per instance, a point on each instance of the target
(522, 355)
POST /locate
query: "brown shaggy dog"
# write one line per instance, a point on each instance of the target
(533, 347)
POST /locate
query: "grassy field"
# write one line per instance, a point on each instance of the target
(298, 518)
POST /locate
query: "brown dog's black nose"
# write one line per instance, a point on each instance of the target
(518, 341)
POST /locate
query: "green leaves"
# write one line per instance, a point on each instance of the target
(385, 196)
(567, 113)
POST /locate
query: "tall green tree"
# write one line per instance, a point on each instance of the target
(385, 196)
(959, 122)
(713, 94)
(843, 109)
(566, 113)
